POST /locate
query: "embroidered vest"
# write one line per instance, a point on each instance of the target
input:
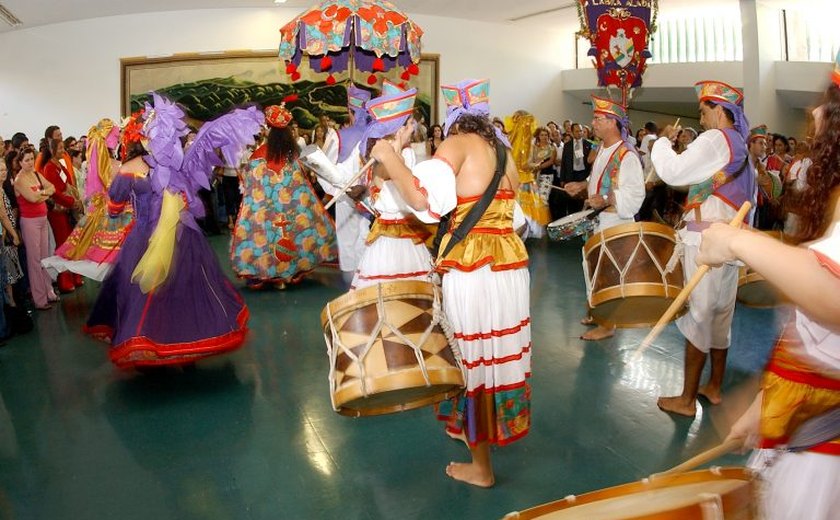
(609, 177)
(728, 184)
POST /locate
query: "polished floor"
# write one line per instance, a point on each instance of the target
(252, 435)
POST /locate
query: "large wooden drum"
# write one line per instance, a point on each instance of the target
(388, 351)
(753, 289)
(717, 493)
(625, 268)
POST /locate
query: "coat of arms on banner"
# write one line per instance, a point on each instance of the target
(619, 31)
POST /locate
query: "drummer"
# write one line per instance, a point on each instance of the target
(616, 183)
(490, 264)
(395, 248)
(716, 166)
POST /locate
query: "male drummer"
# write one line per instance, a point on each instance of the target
(350, 225)
(716, 166)
(617, 182)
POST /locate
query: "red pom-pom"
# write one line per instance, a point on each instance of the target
(295, 76)
(405, 76)
(371, 79)
(291, 98)
(326, 63)
(378, 65)
(414, 69)
(330, 80)
(403, 85)
(291, 68)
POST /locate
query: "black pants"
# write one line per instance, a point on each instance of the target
(233, 199)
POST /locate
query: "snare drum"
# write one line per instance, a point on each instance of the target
(388, 351)
(627, 280)
(571, 226)
(753, 289)
(716, 493)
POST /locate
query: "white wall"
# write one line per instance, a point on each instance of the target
(69, 74)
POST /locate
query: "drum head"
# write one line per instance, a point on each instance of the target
(574, 217)
(635, 311)
(694, 495)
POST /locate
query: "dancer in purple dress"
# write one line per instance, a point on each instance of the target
(167, 302)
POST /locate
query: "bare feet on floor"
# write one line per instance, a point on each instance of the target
(598, 333)
(588, 320)
(471, 474)
(677, 405)
(712, 394)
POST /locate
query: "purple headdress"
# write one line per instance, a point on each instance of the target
(388, 113)
(351, 136)
(728, 97)
(470, 96)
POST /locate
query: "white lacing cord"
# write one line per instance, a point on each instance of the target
(622, 271)
(676, 256)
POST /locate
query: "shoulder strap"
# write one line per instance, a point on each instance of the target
(477, 211)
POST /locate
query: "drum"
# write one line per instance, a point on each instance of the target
(753, 289)
(571, 226)
(627, 280)
(388, 351)
(716, 493)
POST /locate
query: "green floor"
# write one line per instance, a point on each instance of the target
(252, 436)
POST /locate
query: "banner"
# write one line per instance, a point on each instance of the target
(619, 32)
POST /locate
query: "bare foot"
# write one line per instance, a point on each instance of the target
(677, 405)
(457, 436)
(712, 394)
(589, 320)
(598, 333)
(471, 474)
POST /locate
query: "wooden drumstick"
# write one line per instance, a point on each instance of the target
(702, 458)
(560, 188)
(352, 181)
(678, 302)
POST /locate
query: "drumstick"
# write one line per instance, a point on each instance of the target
(702, 458)
(561, 188)
(352, 181)
(683, 295)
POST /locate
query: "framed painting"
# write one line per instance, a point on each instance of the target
(210, 84)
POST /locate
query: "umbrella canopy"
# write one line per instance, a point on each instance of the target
(373, 33)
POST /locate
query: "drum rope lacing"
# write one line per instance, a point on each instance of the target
(438, 318)
(622, 271)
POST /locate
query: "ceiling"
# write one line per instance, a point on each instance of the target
(42, 12)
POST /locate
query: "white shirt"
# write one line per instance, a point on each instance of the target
(631, 185)
(577, 154)
(703, 158)
(797, 174)
(819, 342)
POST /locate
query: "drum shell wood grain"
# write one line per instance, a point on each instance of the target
(644, 297)
(686, 496)
(394, 379)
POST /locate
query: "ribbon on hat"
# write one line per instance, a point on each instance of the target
(471, 97)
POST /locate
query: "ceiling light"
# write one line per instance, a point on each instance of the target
(278, 2)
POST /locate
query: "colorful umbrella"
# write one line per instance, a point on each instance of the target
(372, 33)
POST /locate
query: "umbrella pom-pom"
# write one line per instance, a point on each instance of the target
(326, 63)
(330, 80)
(414, 69)
(371, 79)
(378, 65)
(295, 76)
(291, 68)
(405, 76)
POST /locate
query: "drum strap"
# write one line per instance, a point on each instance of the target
(476, 212)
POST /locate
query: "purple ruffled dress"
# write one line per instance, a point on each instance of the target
(195, 313)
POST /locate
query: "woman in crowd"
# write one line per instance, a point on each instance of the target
(63, 202)
(9, 244)
(543, 157)
(32, 191)
(434, 140)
